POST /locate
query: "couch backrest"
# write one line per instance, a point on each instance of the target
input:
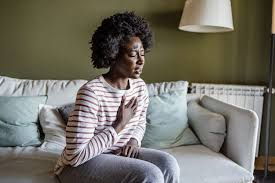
(59, 92)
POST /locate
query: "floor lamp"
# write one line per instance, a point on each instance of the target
(269, 94)
(207, 16)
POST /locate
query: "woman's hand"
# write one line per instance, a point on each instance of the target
(125, 113)
(131, 150)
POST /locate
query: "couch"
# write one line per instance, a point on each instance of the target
(234, 163)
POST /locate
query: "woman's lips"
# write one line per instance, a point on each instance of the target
(139, 71)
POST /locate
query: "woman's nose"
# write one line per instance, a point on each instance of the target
(140, 60)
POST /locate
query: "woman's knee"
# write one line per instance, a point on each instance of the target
(165, 161)
(150, 173)
(169, 166)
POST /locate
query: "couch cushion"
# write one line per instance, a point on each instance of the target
(198, 164)
(27, 164)
(65, 111)
(167, 116)
(53, 127)
(210, 127)
(19, 120)
(155, 89)
(59, 92)
(167, 122)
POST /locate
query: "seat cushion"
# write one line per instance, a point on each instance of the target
(198, 164)
(27, 164)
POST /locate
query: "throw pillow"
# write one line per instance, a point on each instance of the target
(65, 111)
(167, 122)
(53, 127)
(19, 120)
(210, 127)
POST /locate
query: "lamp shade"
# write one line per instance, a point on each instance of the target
(207, 16)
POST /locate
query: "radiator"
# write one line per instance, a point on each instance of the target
(250, 97)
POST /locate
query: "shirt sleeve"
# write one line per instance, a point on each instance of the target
(141, 126)
(82, 143)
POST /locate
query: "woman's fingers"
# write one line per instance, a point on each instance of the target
(135, 105)
(122, 101)
(136, 153)
(135, 102)
(130, 103)
(122, 105)
(131, 152)
(125, 151)
(122, 151)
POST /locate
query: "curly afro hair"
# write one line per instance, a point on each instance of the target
(113, 33)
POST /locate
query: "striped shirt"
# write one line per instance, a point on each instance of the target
(89, 130)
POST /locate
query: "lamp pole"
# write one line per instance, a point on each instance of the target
(269, 94)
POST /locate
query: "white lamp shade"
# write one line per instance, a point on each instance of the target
(207, 16)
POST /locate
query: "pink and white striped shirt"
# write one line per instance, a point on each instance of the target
(89, 131)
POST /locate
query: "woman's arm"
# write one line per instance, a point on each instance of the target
(82, 143)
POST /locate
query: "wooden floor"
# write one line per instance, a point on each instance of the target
(259, 163)
(259, 170)
(258, 174)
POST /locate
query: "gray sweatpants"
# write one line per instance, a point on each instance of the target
(151, 166)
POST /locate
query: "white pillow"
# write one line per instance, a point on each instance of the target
(210, 127)
(53, 127)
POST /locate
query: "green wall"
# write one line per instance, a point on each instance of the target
(49, 40)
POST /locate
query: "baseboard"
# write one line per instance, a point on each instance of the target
(259, 163)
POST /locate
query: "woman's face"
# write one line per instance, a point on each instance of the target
(131, 59)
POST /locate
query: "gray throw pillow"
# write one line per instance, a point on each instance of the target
(210, 127)
(65, 111)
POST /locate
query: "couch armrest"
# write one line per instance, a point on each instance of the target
(242, 128)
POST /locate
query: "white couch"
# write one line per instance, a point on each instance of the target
(198, 164)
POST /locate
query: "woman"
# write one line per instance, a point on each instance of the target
(105, 130)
